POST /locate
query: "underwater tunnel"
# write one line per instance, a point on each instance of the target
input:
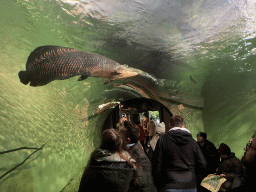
(134, 109)
(194, 58)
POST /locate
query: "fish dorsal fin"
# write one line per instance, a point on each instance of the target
(82, 77)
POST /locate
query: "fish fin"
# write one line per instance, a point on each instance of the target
(108, 81)
(193, 80)
(25, 77)
(40, 82)
(83, 77)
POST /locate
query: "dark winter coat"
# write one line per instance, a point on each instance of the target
(107, 172)
(176, 159)
(144, 169)
(233, 169)
(152, 146)
(211, 156)
(249, 161)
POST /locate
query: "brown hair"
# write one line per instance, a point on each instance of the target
(131, 130)
(176, 121)
(113, 141)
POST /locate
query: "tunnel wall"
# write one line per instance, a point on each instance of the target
(55, 115)
(229, 113)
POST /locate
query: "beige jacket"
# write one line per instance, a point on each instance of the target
(151, 128)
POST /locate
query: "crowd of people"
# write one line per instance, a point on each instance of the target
(144, 157)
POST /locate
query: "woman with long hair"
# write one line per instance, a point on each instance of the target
(110, 166)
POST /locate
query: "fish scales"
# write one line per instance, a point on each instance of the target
(66, 70)
(48, 63)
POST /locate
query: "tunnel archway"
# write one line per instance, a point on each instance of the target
(133, 108)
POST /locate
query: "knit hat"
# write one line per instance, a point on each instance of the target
(224, 149)
(202, 134)
(160, 128)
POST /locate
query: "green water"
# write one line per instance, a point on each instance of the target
(61, 114)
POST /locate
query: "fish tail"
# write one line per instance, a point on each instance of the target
(24, 77)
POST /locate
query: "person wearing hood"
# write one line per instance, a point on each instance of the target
(230, 168)
(160, 130)
(176, 159)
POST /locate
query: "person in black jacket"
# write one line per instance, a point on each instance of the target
(176, 159)
(160, 130)
(110, 168)
(230, 168)
(131, 132)
(209, 151)
(211, 156)
(249, 161)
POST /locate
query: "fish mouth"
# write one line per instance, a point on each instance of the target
(125, 74)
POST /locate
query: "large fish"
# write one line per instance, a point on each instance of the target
(48, 63)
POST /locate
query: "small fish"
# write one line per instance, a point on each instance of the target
(193, 80)
(48, 63)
